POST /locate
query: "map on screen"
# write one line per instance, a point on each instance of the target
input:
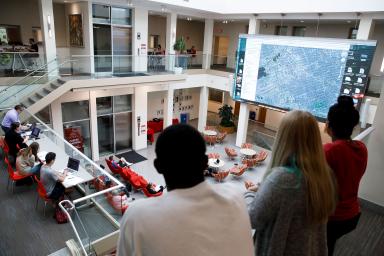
(307, 73)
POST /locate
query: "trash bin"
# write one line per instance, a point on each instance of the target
(184, 118)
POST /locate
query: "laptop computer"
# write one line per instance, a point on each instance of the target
(35, 133)
(73, 164)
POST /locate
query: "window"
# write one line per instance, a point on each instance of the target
(121, 16)
(101, 13)
(10, 34)
(281, 30)
(215, 95)
(153, 41)
(298, 31)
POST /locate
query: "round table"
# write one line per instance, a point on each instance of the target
(248, 152)
(212, 163)
(209, 133)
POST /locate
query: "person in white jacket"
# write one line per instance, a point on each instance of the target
(194, 217)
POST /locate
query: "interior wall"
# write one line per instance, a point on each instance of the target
(60, 25)
(191, 106)
(232, 30)
(157, 26)
(192, 31)
(21, 13)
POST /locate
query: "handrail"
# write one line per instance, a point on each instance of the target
(61, 204)
(364, 134)
(130, 55)
(28, 75)
(46, 74)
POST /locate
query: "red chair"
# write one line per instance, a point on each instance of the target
(137, 181)
(211, 140)
(119, 202)
(238, 170)
(150, 135)
(213, 155)
(220, 137)
(231, 153)
(41, 193)
(114, 170)
(13, 176)
(220, 176)
(246, 145)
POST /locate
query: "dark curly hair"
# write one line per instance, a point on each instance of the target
(343, 117)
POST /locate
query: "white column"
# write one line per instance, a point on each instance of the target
(94, 131)
(371, 185)
(366, 27)
(140, 105)
(170, 40)
(254, 25)
(48, 31)
(203, 108)
(168, 107)
(208, 42)
(88, 36)
(139, 40)
(57, 121)
(242, 125)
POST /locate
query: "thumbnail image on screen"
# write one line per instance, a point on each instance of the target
(301, 73)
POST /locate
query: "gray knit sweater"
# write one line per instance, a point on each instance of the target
(278, 212)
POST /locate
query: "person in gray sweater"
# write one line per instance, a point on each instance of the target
(290, 209)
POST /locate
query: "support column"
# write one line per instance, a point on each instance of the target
(170, 41)
(140, 112)
(242, 125)
(203, 108)
(93, 128)
(168, 107)
(48, 31)
(57, 121)
(140, 39)
(254, 25)
(208, 42)
(366, 27)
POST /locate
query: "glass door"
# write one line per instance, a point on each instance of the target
(122, 49)
(102, 48)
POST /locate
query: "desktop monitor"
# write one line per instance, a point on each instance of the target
(301, 73)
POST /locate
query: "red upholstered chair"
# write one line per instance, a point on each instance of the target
(221, 175)
(175, 121)
(13, 176)
(210, 128)
(119, 202)
(137, 181)
(261, 156)
(150, 135)
(220, 137)
(238, 170)
(231, 152)
(146, 192)
(247, 145)
(41, 193)
(114, 170)
(211, 140)
(213, 155)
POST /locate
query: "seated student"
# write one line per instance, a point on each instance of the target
(121, 163)
(214, 218)
(27, 159)
(52, 179)
(14, 141)
(290, 209)
(348, 160)
(151, 188)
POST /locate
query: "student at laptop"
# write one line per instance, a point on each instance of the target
(27, 159)
(15, 141)
(52, 179)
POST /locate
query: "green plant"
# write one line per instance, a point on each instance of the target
(226, 115)
(180, 45)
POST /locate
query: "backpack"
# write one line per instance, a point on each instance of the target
(60, 216)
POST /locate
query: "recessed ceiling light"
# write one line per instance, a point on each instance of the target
(348, 21)
(301, 21)
(189, 18)
(225, 21)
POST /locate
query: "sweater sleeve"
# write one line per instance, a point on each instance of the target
(264, 204)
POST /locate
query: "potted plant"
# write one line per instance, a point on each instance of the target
(180, 47)
(226, 123)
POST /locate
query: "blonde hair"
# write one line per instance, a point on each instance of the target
(299, 138)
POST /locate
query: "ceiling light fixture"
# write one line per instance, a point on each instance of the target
(301, 21)
(129, 3)
(348, 21)
(189, 18)
(163, 9)
(225, 21)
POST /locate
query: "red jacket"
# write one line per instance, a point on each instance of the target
(348, 160)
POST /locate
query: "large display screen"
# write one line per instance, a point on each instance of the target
(301, 72)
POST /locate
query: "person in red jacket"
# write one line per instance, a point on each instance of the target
(348, 160)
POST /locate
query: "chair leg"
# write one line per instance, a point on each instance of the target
(45, 206)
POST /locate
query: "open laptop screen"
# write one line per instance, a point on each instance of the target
(35, 132)
(73, 164)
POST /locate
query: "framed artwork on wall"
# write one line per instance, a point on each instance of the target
(76, 30)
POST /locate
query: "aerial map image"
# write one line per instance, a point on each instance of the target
(302, 78)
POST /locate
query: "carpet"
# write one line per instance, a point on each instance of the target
(132, 157)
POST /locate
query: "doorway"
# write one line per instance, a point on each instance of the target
(122, 49)
(220, 51)
(102, 48)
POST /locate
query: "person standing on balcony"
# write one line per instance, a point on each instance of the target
(12, 116)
